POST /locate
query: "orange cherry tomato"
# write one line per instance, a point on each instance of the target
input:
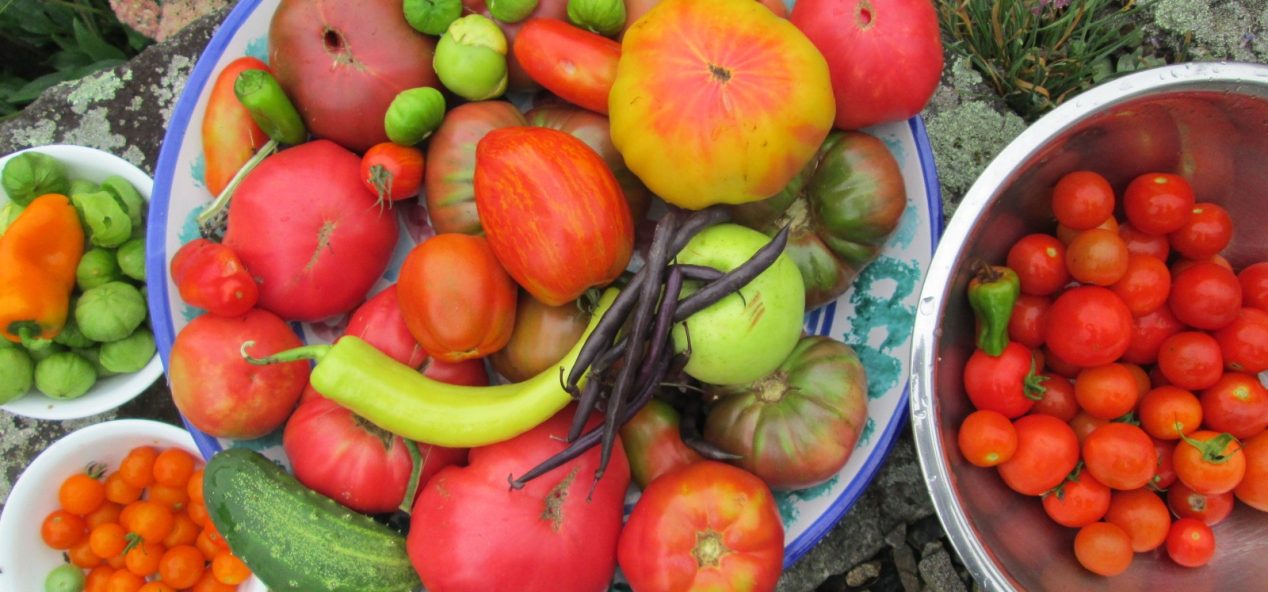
(62, 530)
(120, 492)
(206, 546)
(81, 493)
(108, 512)
(137, 468)
(81, 555)
(195, 487)
(182, 566)
(184, 531)
(123, 580)
(175, 498)
(198, 513)
(152, 521)
(143, 559)
(229, 569)
(156, 587)
(98, 578)
(108, 540)
(209, 583)
(173, 467)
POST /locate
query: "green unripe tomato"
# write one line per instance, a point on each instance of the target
(413, 115)
(97, 266)
(129, 354)
(110, 311)
(32, 174)
(471, 58)
(17, 373)
(511, 11)
(131, 258)
(65, 375)
(432, 17)
(64, 578)
(605, 17)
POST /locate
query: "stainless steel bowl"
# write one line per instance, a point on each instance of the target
(1208, 122)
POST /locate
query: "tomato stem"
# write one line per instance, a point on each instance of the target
(215, 214)
(416, 461)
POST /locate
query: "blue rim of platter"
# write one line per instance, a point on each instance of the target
(164, 332)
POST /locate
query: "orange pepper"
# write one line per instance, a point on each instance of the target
(38, 257)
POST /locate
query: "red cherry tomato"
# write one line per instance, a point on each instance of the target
(1191, 360)
(1054, 362)
(1139, 243)
(1158, 203)
(1207, 231)
(1183, 263)
(1066, 235)
(1040, 263)
(987, 438)
(1078, 502)
(1205, 295)
(1209, 462)
(1058, 398)
(1147, 334)
(1254, 282)
(1164, 470)
(1047, 450)
(1237, 404)
(1243, 342)
(1142, 515)
(1210, 509)
(210, 276)
(1167, 412)
(1097, 257)
(1190, 542)
(1084, 424)
(1103, 549)
(391, 171)
(1120, 455)
(1088, 326)
(1107, 391)
(1082, 200)
(1008, 384)
(1253, 488)
(1025, 326)
(1145, 285)
(1142, 379)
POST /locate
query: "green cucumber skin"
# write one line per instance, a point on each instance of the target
(297, 540)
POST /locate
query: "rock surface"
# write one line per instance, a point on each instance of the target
(890, 540)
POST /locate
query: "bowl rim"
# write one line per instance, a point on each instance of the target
(126, 387)
(923, 406)
(181, 119)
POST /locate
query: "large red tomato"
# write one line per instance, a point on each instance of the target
(1089, 326)
(706, 526)
(341, 64)
(553, 212)
(885, 57)
(471, 532)
(451, 162)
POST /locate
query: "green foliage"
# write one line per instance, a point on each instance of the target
(1038, 53)
(44, 42)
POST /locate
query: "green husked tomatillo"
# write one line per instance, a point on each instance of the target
(128, 197)
(470, 58)
(98, 266)
(110, 311)
(605, 17)
(129, 354)
(107, 222)
(65, 375)
(131, 258)
(413, 115)
(17, 373)
(71, 336)
(432, 17)
(511, 11)
(32, 174)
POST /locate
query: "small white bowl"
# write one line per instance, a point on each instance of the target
(110, 392)
(24, 558)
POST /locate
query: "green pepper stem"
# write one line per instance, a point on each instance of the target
(307, 352)
(222, 201)
(416, 460)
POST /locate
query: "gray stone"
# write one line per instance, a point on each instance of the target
(906, 495)
(858, 537)
(924, 531)
(863, 574)
(937, 571)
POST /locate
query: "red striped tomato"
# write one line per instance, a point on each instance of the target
(553, 212)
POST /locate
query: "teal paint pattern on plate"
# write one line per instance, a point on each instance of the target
(788, 501)
(886, 314)
(198, 171)
(258, 48)
(865, 435)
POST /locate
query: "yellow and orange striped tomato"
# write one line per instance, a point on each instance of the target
(718, 101)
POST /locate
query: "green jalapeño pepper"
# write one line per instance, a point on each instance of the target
(400, 400)
(992, 293)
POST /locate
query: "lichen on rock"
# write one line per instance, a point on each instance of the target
(1236, 30)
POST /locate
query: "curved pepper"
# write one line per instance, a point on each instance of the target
(992, 293)
(398, 399)
(38, 257)
(230, 135)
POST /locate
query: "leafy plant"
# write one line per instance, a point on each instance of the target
(1038, 53)
(44, 42)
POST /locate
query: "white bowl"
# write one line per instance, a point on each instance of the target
(110, 392)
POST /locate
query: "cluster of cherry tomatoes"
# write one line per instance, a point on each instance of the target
(1128, 396)
(145, 521)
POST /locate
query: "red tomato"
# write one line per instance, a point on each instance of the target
(1164, 469)
(392, 172)
(1120, 455)
(1142, 515)
(1207, 231)
(653, 442)
(1058, 399)
(1089, 326)
(380, 323)
(1167, 412)
(1209, 462)
(1103, 549)
(1047, 450)
(1147, 334)
(1237, 404)
(1097, 256)
(1082, 200)
(1182, 263)
(1084, 424)
(456, 299)
(1026, 324)
(1107, 391)
(1244, 342)
(1078, 502)
(1142, 379)
(210, 276)
(1253, 488)
(582, 235)
(1145, 285)
(706, 526)
(1055, 363)
(1190, 542)
(1254, 283)
(1039, 260)
(575, 64)
(1205, 295)
(1210, 509)
(1008, 384)
(1158, 203)
(1191, 360)
(1066, 235)
(987, 438)
(1139, 243)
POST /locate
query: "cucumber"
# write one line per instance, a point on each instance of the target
(295, 539)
